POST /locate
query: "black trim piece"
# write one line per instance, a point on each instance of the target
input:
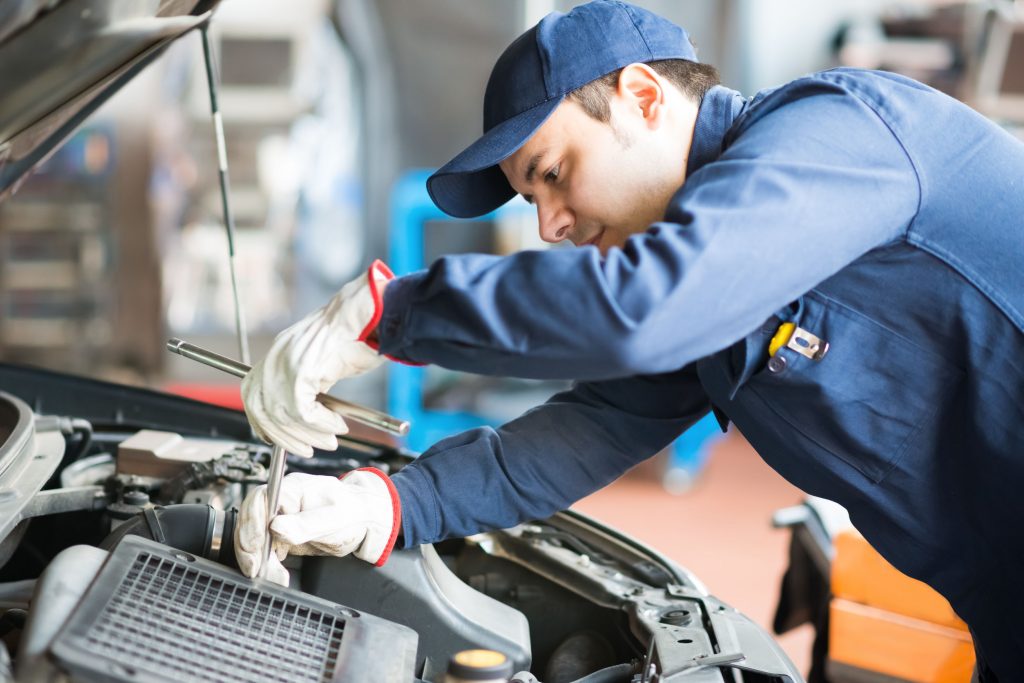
(838, 672)
(106, 404)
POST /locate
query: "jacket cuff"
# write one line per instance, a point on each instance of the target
(394, 323)
(379, 270)
(420, 518)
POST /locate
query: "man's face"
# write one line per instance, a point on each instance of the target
(595, 182)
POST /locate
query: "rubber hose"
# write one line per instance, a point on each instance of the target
(84, 430)
(189, 527)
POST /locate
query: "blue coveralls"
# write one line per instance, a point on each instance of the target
(875, 213)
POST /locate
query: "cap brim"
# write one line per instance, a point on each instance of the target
(472, 184)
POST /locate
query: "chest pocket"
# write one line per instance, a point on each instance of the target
(866, 401)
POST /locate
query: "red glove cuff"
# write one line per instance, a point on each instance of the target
(377, 269)
(396, 510)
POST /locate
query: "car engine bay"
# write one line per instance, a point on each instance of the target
(117, 511)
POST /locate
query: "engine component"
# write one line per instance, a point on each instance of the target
(417, 589)
(29, 455)
(578, 655)
(236, 466)
(154, 613)
(151, 453)
(56, 593)
(478, 666)
(175, 469)
(6, 672)
(222, 497)
(197, 529)
(127, 506)
(88, 471)
(568, 574)
(619, 673)
(16, 594)
(68, 426)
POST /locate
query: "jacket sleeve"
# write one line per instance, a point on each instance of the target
(806, 185)
(577, 442)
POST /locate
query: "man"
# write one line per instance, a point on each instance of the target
(835, 265)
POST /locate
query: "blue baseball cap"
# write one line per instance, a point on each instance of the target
(533, 76)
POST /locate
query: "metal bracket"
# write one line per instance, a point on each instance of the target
(807, 344)
(73, 499)
(720, 659)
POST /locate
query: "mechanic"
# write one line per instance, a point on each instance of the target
(835, 265)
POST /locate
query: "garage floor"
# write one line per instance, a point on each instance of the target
(720, 529)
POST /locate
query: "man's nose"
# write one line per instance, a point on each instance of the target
(555, 220)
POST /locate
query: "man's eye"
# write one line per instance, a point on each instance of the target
(551, 175)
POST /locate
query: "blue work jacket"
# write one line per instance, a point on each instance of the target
(883, 219)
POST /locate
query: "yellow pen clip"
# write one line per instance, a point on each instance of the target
(781, 338)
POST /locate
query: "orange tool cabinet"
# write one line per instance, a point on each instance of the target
(883, 622)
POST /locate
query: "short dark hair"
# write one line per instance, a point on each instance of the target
(692, 78)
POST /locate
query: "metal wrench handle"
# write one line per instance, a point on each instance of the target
(274, 477)
(351, 411)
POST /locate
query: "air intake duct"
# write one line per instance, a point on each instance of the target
(196, 529)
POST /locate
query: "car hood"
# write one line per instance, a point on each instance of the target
(92, 49)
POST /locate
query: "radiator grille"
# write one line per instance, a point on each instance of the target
(172, 620)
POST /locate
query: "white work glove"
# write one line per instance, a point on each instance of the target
(308, 358)
(320, 515)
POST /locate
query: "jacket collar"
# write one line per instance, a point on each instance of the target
(718, 110)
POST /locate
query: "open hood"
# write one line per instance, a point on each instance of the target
(61, 59)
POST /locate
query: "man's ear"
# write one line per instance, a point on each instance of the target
(642, 90)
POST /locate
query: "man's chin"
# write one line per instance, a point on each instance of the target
(594, 241)
(615, 238)
(606, 239)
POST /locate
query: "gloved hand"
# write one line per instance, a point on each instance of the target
(308, 358)
(320, 515)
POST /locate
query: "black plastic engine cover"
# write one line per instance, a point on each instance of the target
(417, 589)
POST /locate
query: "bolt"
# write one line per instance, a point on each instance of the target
(676, 617)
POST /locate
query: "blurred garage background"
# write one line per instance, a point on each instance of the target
(333, 114)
